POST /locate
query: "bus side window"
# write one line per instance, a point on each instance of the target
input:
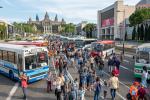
(20, 65)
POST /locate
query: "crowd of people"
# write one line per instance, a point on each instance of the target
(90, 75)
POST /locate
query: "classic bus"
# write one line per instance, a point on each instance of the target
(15, 59)
(105, 47)
(82, 42)
(40, 43)
(142, 58)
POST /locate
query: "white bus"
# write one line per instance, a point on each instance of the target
(32, 60)
(80, 43)
(105, 47)
(142, 58)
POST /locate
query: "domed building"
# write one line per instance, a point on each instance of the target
(143, 4)
(47, 25)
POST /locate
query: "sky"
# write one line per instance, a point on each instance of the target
(73, 11)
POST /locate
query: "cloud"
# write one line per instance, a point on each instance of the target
(69, 9)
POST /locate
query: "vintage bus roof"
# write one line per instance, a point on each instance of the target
(106, 42)
(87, 39)
(36, 43)
(17, 48)
(144, 47)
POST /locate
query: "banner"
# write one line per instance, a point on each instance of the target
(107, 22)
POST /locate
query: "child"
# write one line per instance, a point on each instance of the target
(105, 89)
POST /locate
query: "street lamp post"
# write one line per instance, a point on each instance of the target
(124, 30)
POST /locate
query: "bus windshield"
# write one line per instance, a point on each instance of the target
(142, 57)
(36, 61)
(79, 43)
(97, 47)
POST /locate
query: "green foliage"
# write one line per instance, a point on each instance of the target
(89, 29)
(146, 33)
(2, 32)
(139, 16)
(68, 28)
(23, 27)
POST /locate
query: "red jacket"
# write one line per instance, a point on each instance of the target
(115, 72)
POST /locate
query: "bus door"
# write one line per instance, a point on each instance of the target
(19, 63)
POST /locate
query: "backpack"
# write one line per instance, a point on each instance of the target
(98, 87)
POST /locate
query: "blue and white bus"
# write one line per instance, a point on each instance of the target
(32, 60)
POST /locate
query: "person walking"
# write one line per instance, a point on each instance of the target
(75, 87)
(81, 93)
(144, 76)
(97, 89)
(49, 81)
(114, 85)
(110, 64)
(23, 79)
(141, 92)
(58, 88)
(133, 90)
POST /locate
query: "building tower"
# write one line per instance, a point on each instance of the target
(46, 16)
(37, 17)
(56, 18)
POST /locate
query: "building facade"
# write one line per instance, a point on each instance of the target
(47, 25)
(8, 30)
(143, 4)
(79, 28)
(113, 21)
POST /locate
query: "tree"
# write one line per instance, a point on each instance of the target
(139, 16)
(2, 32)
(134, 33)
(23, 27)
(146, 33)
(89, 29)
(142, 32)
(68, 28)
(138, 33)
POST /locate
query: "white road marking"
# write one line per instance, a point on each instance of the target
(12, 92)
(126, 68)
(126, 61)
(129, 55)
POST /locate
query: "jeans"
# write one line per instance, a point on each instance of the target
(96, 96)
(76, 94)
(59, 95)
(24, 92)
(144, 82)
(113, 93)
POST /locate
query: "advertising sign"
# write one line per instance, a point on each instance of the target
(107, 22)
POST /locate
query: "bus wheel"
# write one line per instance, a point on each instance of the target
(11, 75)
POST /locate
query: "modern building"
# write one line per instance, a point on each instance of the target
(113, 21)
(79, 28)
(8, 29)
(47, 25)
(143, 4)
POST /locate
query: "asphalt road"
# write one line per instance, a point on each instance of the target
(37, 90)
